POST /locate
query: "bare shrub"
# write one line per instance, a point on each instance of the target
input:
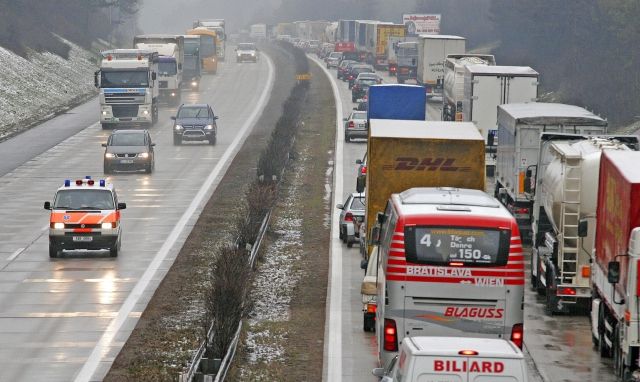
(228, 300)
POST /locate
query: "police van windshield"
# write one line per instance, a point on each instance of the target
(124, 79)
(84, 200)
(446, 246)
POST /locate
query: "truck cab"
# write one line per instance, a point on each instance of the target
(128, 85)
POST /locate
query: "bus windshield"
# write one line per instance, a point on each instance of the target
(453, 246)
(124, 79)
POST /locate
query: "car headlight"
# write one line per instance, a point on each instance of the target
(194, 83)
(109, 155)
(107, 225)
(58, 225)
(104, 112)
(173, 94)
(178, 127)
(213, 60)
(145, 112)
(143, 155)
(208, 127)
(253, 53)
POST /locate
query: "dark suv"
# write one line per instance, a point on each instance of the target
(195, 122)
(129, 150)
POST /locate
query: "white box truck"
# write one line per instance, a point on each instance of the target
(432, 51)
(519, 128)
(453, 87)
(486, 87)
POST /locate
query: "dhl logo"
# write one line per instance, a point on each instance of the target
(425, 164)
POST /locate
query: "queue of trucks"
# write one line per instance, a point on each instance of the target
(133, 83)
(559, 183)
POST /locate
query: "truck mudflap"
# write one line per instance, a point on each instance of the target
(423, 316)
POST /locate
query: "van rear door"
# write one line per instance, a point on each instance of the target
(471, 369)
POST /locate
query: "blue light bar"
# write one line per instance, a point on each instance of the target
(87, 176)
(102, 182)
(67, 182)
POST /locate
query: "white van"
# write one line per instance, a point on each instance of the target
(455, 359)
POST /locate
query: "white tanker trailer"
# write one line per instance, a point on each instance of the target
(566, 179)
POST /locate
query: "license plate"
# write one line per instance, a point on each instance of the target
(82, 238)
(126, 161)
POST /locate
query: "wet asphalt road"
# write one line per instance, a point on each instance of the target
(68, 318)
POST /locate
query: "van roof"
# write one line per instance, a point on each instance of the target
(534, 113)
(451, 346)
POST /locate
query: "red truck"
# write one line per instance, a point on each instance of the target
(614, 274)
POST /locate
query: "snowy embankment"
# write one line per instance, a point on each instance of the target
(32, 89)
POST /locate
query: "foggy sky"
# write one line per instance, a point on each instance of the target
(162, 16)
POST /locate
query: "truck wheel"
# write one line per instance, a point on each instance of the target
(53, 251)
(552, 299)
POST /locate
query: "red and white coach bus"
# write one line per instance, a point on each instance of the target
(450, 264)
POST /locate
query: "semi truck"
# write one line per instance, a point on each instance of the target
(346, 31)
(218, 26)
(362, 41)
(382, 34)
(392, 52)
(390, 101)
(402, 154)
(407, 61)
(258, 32)
(564, 183)
(170, 64)
(432, 51)
(192, 62)
(519, 129)
(453, 85)
(615, 274)
(486, 87)
(128, 85)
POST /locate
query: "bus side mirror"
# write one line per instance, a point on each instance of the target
(583, 228)
(47, 205)
(96, 82)
(613, 272)
(360, 183)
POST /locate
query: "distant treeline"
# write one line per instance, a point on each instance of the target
(586, 51)
(33, 24)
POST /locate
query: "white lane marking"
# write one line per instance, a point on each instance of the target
(15, 254)
(333, 323)
(102, 347)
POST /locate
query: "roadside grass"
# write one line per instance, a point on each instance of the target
(300, 332)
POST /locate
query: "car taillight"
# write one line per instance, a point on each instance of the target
(391, 335)
(371, 308)
(517, 335)
(348, 217)
(351, 125)
(521, 211)
(393, 69)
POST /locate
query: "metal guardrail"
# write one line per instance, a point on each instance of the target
(188, 375)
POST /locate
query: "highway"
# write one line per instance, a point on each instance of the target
(66, 319)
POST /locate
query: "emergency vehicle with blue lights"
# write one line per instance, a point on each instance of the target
(85, 215)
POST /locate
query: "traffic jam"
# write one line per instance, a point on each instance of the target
(455, 180)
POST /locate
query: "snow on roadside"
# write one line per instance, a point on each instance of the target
(43, 83)
(274, 284)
